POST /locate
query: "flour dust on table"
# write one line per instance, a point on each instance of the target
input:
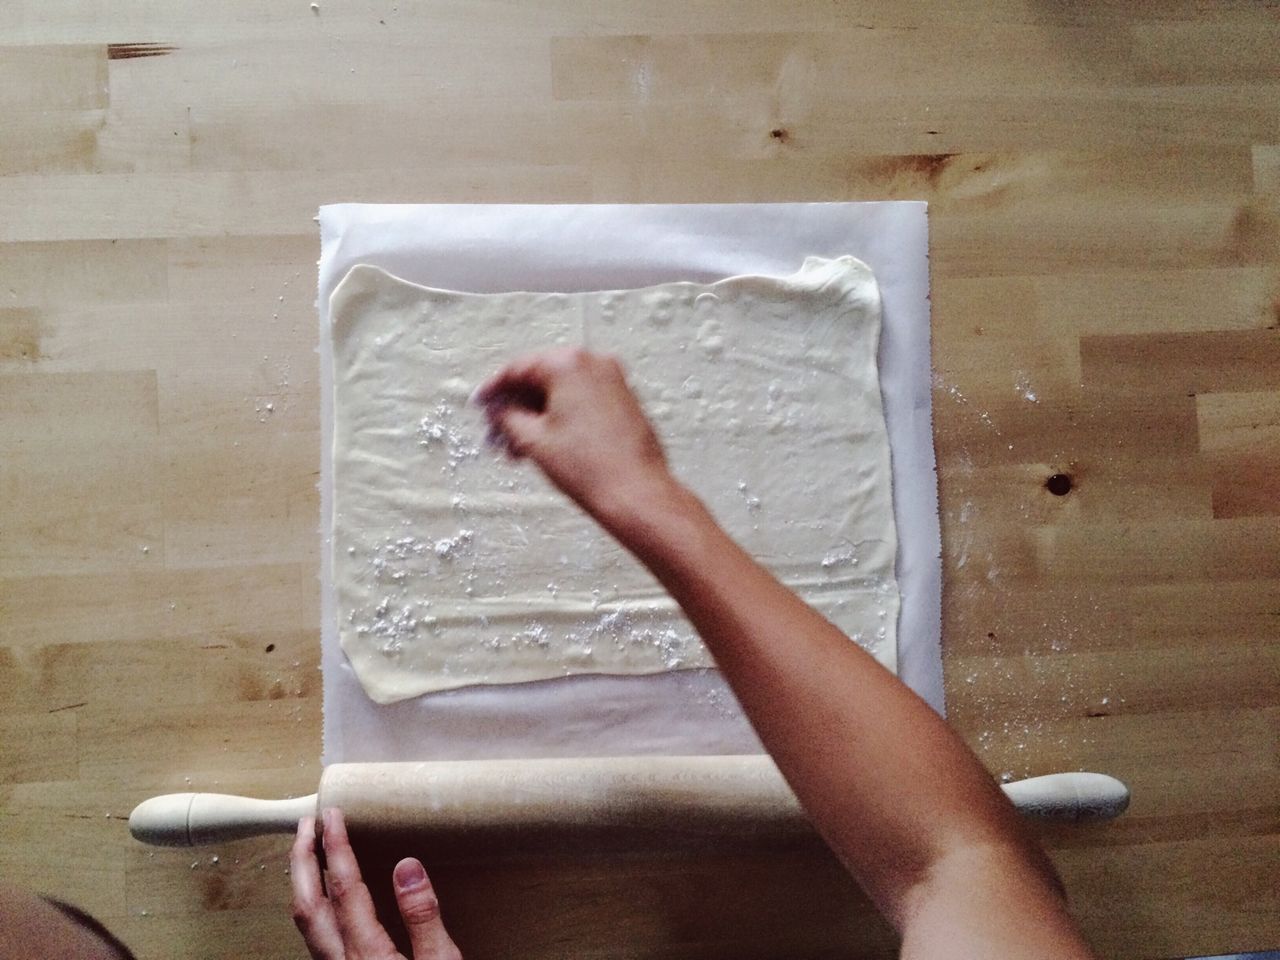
(454, 568)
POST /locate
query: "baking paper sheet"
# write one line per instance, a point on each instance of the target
(571, 248)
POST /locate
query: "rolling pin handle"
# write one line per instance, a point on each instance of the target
(1069, 796)
(196, 819)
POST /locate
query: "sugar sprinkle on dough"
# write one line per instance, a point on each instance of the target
(453, 568)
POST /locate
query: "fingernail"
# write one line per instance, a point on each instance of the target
(330, 818)
(409, 874)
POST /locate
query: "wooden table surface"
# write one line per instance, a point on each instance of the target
(1104, 182)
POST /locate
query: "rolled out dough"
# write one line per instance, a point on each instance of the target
(453, 567)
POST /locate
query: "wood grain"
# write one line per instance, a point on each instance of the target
(1104, 182)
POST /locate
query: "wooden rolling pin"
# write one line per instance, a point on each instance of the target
(479, 809)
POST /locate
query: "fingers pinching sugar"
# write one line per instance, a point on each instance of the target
(528, 379)
(514, 399)
(531, 371)
(572, 413)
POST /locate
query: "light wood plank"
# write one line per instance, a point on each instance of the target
(1105, 260)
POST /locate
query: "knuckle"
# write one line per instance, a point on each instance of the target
(302, 909)
(422, 908)
(341, 887)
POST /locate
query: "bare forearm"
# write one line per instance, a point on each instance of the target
(900, 799)
(885, 780)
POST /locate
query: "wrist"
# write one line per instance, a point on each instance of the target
(640, 512)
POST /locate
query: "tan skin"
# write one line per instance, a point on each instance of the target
(336, 917)
(925, 831)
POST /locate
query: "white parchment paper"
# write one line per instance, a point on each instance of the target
(571, 248)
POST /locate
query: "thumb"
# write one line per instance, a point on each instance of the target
(520, 427)
(420, 910)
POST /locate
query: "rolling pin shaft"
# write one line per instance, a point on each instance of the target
(477, 808)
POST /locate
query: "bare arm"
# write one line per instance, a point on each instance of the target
(897, 795)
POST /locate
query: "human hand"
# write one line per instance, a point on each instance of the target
(337, 919)
(572, 413)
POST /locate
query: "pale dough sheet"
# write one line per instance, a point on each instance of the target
(498, 248)
(454, 568)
